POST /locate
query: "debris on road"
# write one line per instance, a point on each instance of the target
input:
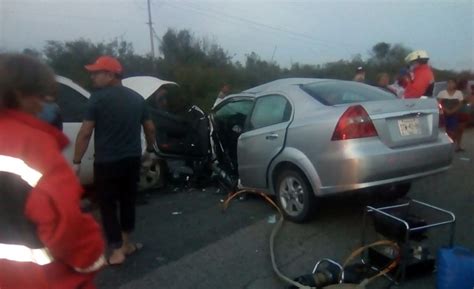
(160, 259)
(176, 213)
(465, 159)
(272, 219)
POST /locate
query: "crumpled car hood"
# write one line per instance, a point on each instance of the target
(145, 85)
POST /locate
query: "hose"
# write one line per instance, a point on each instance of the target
(275, 231)
(279, 225)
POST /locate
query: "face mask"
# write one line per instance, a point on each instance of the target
(49, 112)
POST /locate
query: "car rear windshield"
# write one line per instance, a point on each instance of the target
(340, 92)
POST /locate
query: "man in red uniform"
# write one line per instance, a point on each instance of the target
(46, 242)
(422, 78)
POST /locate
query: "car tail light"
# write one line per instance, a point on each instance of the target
(354, 123)
(442, 121)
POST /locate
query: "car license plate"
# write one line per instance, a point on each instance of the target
(409, 126)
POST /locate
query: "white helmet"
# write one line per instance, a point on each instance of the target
(417, 55)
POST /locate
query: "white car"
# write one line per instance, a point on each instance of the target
(72, 99)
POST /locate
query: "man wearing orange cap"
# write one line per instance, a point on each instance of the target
(115, 115)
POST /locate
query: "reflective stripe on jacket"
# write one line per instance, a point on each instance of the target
(19, 241)
(20, 253)
(46, 242)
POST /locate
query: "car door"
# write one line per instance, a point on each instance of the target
(263, 139)
(229, 120)
(72, 100)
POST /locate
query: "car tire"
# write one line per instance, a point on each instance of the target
(294, 196)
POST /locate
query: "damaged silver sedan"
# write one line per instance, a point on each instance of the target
(300, 139)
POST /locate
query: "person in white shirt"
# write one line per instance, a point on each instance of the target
(222, 94)
(400, 82)
(360, 75)
(451, 100)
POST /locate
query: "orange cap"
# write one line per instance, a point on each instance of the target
(106, 63)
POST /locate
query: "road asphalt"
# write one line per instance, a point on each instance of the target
(190, 243)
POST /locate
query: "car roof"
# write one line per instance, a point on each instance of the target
(281, 84)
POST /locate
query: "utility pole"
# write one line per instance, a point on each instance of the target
(3, 24)
(150, 25)
(274, 50)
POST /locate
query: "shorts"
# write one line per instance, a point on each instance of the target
(451, 122)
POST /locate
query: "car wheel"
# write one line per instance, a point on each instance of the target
(295, 197)
(151, 177)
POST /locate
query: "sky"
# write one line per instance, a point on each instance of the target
(298, 31)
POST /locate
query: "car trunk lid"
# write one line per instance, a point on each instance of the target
(403, 122)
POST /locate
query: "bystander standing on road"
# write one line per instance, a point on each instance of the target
(421, 81)
(462, 85)
(451, 100)
(115, 114)
(359, 75)
(225, 90)
(383, 80)
(46, 242)
(464, 113)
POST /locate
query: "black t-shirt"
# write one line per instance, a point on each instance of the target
(118, 113)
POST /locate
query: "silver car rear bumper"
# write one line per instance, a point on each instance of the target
(358, 164)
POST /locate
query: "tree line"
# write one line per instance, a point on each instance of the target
(201, 67)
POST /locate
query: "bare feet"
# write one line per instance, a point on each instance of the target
(117, 257)
(131, 248)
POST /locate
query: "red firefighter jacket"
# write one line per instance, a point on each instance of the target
(422, 79)
(46, 242)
